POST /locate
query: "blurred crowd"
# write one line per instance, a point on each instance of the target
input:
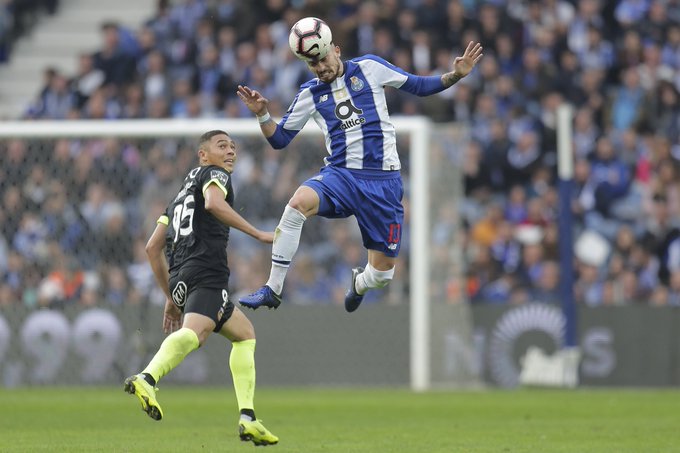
(75, 215)
(616, 62)
(17, 17)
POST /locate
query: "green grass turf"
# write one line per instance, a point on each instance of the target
(345, 421)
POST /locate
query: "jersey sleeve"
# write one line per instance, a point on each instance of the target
(294, 120)
(164, 218)
(214, 175)
(385, 73)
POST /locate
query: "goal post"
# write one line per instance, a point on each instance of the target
(419, 131)
(420, 256)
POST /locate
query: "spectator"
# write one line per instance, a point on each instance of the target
(522, 159)
(156, 81)
(670, 52)
(64, 223)
(115, 286)
(674, 289)
(610, 176)
(17, 18)
(546, 288)
(56, 98)
(516, 208)
(86, 81)
(626, 104)
(114, 60)
(64, 282)
(5, 31)
(589, 286)
(598, 53)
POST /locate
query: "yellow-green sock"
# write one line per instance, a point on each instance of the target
(171, 353)
(242, 364)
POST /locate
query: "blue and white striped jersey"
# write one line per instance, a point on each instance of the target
(352, 113)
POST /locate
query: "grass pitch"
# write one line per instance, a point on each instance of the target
(344, 421)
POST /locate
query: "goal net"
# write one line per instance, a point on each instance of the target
(78, 303)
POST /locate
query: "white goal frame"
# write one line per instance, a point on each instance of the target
(419, 130)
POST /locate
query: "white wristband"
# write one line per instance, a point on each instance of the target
(264, 118)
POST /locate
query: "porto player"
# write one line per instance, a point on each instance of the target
(361, 176)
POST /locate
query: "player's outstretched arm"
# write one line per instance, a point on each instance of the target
(217, 206)
(257, 104)
(463, 65)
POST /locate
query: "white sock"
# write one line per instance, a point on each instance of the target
(372, 278)
(286, 241)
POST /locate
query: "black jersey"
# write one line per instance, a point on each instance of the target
(196, 242)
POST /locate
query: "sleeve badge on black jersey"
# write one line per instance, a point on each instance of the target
(219, 176)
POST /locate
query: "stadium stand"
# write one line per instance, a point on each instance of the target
(17, 18)
(617, 63)
(52, 43)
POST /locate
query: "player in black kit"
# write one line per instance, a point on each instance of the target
(194, 231)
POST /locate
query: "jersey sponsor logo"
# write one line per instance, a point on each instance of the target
(220, 177)
(344, 110)
(356, 83)
(353, 122)
(179, 294)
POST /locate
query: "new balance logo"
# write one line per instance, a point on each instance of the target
(323, 98)
(392, 246)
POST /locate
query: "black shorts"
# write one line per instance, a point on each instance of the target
(209, 301)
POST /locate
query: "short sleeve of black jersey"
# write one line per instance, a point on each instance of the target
(216, 175)
(164, 218)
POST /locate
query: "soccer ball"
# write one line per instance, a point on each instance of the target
(310, 39)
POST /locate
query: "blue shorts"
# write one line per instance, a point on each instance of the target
(374, 199)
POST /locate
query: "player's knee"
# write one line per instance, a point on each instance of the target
(200, 326)
(240, 328)
(247, 332)
(378, 279)
(292, 218)
(305, 201)
(203, 336)
(299, 207)
(296, 203)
